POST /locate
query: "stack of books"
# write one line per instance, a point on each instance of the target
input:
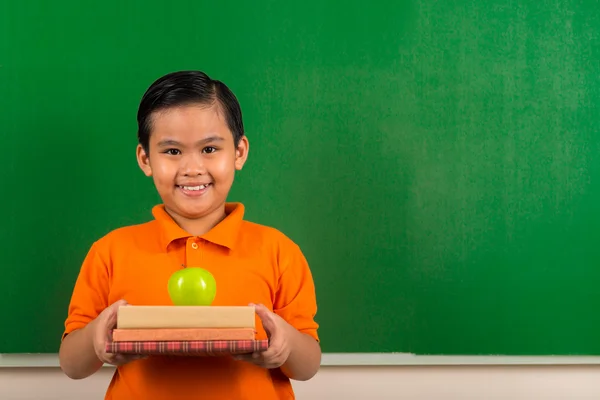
(185, 330)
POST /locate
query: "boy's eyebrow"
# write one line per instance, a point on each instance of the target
(172, 142)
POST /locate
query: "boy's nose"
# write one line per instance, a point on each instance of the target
(192, 166)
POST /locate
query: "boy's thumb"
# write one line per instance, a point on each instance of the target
(111, 317)
(265, 315)
(114, 308)
(119, 303)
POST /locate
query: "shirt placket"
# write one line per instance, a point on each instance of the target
(193, 252)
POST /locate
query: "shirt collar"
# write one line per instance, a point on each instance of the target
(225, 233)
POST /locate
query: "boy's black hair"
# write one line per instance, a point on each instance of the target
(186, 88)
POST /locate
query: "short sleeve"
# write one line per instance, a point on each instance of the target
(90, 294)
(296, 299)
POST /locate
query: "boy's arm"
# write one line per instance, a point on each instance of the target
(90, 296)
(296, 305)
(89, 321)
(83, 351)
(291, 327)
(304, 360)
(297, 354)
(77, 356)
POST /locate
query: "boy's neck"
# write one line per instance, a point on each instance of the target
(199, 226)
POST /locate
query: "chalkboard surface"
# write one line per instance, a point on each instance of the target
(437, 161)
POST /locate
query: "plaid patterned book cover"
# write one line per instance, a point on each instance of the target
(195, 347)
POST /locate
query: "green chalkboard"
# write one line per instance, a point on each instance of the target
(437, 161)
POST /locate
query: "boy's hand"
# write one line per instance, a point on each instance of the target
(279, 332)
(102, 326)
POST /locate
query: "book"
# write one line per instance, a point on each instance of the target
(189, 334)
(185, 317)
(189, 348)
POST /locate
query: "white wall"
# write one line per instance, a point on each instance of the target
(411, 382)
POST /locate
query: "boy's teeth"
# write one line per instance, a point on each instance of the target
(194, 187)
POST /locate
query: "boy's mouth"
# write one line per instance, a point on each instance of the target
(194, 188)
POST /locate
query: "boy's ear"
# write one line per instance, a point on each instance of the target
(241, 152)
(143, 160)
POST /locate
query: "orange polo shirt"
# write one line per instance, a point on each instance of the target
(251, 263)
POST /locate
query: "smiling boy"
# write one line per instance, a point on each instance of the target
(191, 143)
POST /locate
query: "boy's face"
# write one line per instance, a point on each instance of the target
(192, 159)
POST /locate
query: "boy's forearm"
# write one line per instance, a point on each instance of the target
(77, 357)
(305, 358)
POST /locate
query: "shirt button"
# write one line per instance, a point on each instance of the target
(195, 246)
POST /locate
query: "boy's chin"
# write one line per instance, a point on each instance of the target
(197, 212)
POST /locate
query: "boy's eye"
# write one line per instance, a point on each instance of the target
(172, 152)
(209, 149)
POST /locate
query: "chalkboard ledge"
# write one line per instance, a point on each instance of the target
(356, 359)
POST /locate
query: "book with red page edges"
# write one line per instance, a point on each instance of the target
(188, 347)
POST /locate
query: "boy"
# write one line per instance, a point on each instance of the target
(191, 142)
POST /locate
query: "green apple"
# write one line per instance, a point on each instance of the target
(192, 286)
